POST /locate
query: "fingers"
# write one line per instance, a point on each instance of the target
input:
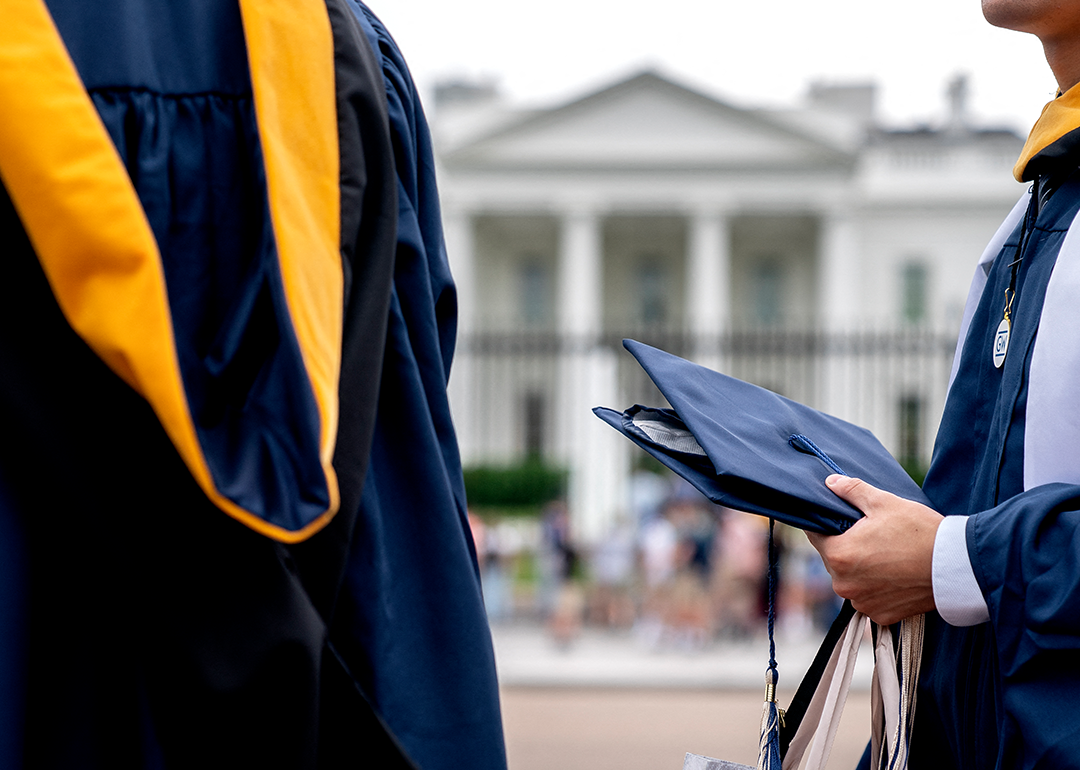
(821, 544)
(824, 545)
(884, 562)
(854, 491)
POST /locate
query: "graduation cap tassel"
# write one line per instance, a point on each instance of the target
(772, 714)
(769, 746)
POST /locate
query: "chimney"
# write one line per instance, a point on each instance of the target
(957, 94)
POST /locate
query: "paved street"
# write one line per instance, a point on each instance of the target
(610, 701)
(632, 729)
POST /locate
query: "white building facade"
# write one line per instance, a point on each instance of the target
(806, 250)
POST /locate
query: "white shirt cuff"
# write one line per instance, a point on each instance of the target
(956, 591)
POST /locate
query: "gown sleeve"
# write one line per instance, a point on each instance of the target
(1026, 557)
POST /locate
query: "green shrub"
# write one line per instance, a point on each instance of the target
(527, 485)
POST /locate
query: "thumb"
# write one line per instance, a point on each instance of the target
(852, 490)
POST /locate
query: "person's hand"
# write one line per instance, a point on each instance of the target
(884, 563)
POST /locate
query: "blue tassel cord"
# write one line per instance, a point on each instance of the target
(772, 715)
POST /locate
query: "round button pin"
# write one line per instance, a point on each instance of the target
(1001, 342)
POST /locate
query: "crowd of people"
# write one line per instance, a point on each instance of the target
(675, 570)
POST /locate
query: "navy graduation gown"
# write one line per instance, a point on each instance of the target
(1000, 694)
(411, 620)
(143, 627)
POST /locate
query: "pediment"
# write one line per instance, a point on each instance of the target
(646, 122)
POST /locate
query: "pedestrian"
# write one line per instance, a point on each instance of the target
(994, 563)
(211, 214)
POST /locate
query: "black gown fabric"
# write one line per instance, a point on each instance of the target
(1000, 694)
(410, 622)
(142, 627)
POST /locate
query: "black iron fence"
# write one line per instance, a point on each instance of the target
(892, 382)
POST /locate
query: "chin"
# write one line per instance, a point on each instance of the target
(1019, 15)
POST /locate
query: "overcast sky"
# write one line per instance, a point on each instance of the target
(749, 53)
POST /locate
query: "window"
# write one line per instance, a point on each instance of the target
(910, 435)
(535, 292)
(913, 285)
(767, 292)
(652, 291)
(533, 413)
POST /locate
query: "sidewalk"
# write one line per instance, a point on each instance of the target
(526, 656)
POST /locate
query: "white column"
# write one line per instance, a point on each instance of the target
(839, 276)
(587, 378)
(708, 284)
(599, 459)
(580, 270)
(579, 306)
(840, 292)
(460, 250)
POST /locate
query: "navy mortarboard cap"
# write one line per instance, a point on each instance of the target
(748, 448)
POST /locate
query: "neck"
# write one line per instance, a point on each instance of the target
(1063, 56)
